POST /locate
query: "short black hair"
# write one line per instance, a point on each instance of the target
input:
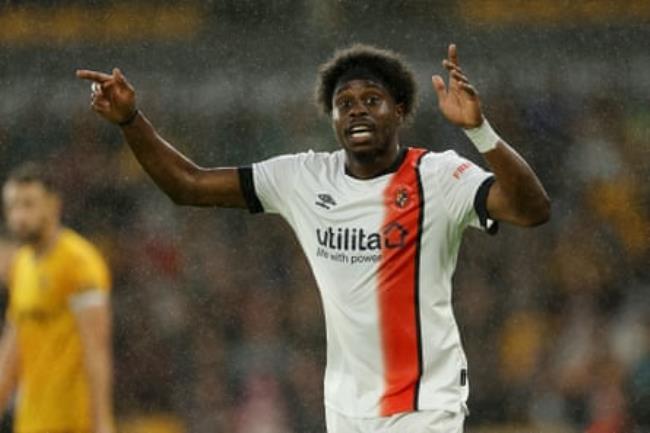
(393, 72)
(29, 172)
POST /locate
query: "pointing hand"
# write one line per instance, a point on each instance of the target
(112, 95)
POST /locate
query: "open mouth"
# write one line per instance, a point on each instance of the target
(360, 131)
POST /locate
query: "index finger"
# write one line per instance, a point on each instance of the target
(99, 77)
(453, 54)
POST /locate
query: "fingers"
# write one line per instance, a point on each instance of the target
(101, 106)
(439, 87)
(453, 54)
(455, 72)
(459, 76)
(469, 89)
(119, 77)
(99, 77)
(105, 81)
(104, 88)
(451, 66)
(95, 90)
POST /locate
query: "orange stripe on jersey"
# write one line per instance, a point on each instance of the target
(398, 281)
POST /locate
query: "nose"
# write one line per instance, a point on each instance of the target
(358, 109)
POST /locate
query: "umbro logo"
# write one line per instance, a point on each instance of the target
(325, 201)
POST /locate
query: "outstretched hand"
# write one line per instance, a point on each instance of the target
(112, 96)
(459, 101)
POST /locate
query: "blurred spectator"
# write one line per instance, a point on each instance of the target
(639, 389)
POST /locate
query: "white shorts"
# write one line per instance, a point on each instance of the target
(428, 421)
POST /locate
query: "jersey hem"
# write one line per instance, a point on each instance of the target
(461, 407)
(66, 429)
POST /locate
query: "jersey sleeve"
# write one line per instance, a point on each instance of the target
(464, 187)
(268, 185)
(90, 278)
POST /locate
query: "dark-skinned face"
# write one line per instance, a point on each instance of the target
(365, 118)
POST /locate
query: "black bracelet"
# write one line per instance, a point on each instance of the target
(130, 119)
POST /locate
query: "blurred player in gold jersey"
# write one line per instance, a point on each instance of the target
(55, 351)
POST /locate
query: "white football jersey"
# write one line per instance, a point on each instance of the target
(383, 252)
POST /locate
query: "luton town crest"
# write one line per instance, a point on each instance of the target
(402, 197)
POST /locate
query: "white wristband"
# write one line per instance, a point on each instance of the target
(483, 137)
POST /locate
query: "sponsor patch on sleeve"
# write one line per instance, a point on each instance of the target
(462, 169)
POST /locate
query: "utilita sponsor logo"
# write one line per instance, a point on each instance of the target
(393, 235)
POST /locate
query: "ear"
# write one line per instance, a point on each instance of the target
(333, 115)
(400, 110)
(55, 204)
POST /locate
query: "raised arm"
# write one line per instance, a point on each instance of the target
(517, 196)
(186, 183)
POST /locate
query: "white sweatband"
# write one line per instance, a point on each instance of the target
(483, 137)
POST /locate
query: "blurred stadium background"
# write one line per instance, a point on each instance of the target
(217, 319)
